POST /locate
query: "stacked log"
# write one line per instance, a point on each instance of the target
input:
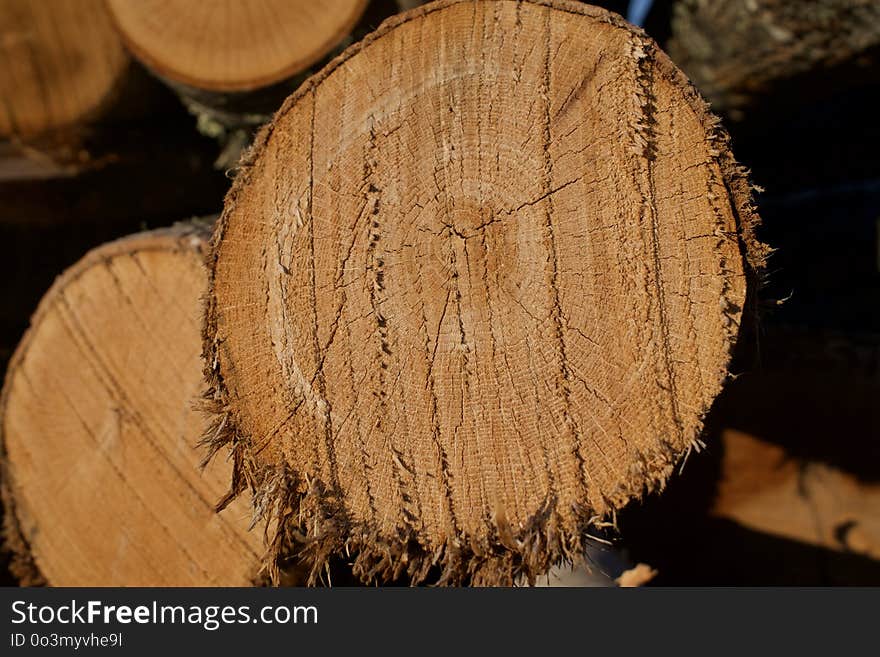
(233, 62)
(473, 291)
(739, 51)
(101, 485)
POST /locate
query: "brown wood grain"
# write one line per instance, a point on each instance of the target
(766, 489)
(473, 290)
(738, 51)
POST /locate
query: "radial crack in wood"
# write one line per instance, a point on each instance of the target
(473, 289)
(100, 471)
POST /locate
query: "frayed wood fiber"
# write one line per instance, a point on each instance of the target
(473, 289)
(62, 65)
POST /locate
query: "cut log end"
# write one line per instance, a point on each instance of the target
(233, 46)
(100, 466)
(737, 52)
(61, 62)
(462, 308)
(766, 489)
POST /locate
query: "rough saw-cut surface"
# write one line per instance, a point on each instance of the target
(233, 45)
(100, 471)
(60, 62)
(473, 289)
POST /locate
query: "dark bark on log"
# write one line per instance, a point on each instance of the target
(738, 50)
(425, 281)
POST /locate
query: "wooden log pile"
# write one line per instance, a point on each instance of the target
(188, 47)
(476, 284)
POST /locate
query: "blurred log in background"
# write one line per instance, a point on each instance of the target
(744, 52)
(98, 427)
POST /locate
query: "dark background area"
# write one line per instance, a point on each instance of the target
(808, 366)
